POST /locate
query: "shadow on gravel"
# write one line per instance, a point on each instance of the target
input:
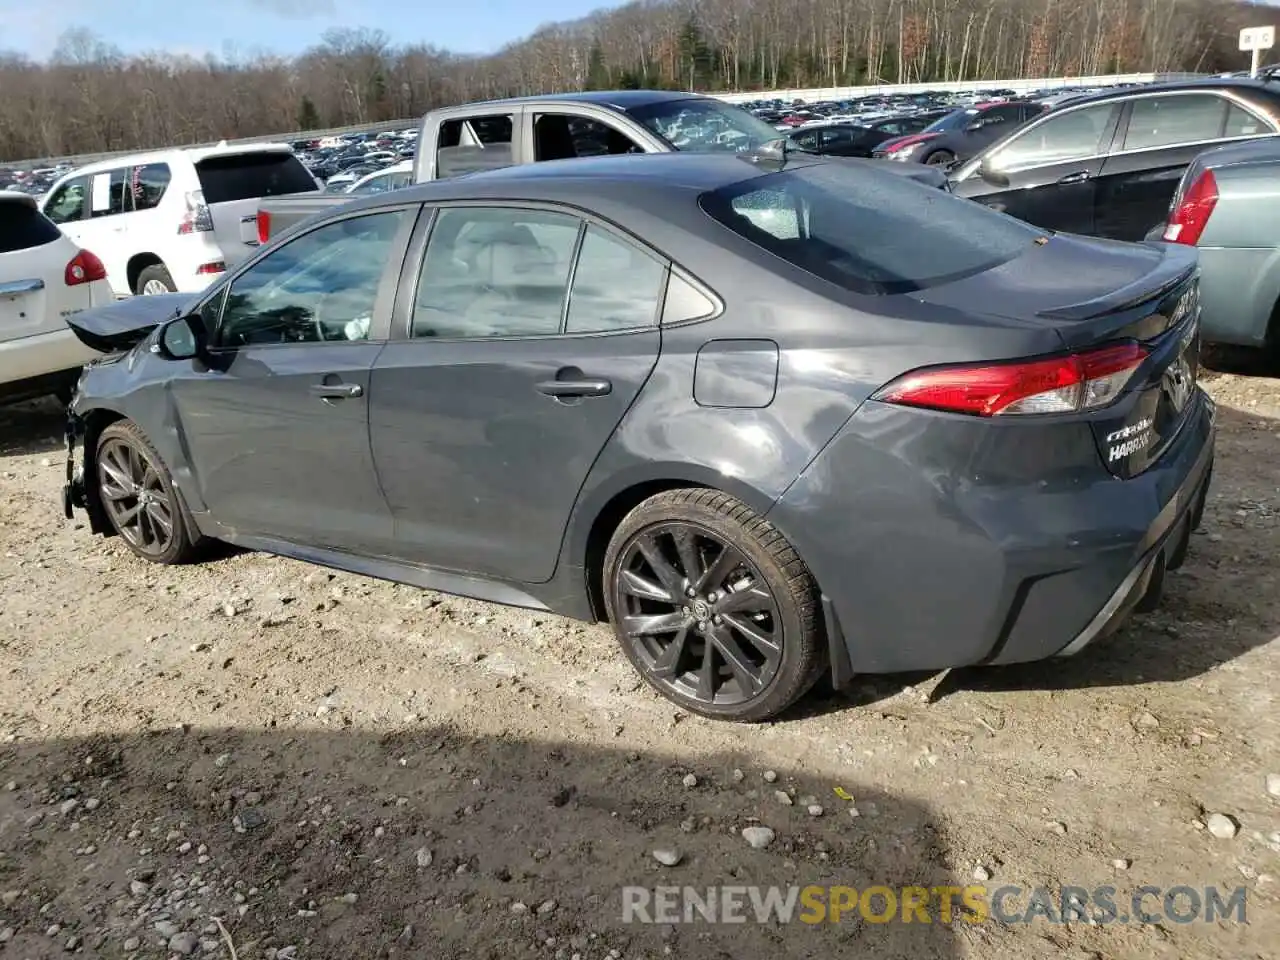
(34, 426)
(1214, 609)
(421, 843)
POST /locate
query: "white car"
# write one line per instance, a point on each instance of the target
(44, 278)
(380, 181)
(171, 221)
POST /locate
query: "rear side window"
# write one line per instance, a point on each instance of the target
(148, 184)
(1162, 121)
(247, 176)
(474, 143)
(866, 231)
(1242, 123)
(23, 227)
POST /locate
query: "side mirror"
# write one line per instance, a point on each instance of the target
(181, 338)
(993, 176)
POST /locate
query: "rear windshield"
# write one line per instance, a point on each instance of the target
(867, 231)
(247, 176)
(23, 227)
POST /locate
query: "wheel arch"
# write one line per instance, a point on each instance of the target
(605, 507)
(139, 262)
(95, 421)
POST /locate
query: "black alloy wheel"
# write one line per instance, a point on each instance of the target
(135, 498)
(698, 614)
(139, 497)
(713, 606)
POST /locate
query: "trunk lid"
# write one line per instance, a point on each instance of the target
(1095, 292)
(120, 325)
(233, 183)
(33, 259)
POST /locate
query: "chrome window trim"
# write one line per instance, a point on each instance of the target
(1229, 95)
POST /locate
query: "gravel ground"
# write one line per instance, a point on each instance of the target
(255, 758)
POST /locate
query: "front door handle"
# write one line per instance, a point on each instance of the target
(1080, 176)
(564, 389)
(337, 391)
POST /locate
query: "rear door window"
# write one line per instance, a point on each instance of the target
(1165, 121)
(23, 227)
(563, 136)
(470, 144)
(869, 232)
(109, 193)
(248, 176)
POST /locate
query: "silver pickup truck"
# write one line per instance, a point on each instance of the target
(501, 133)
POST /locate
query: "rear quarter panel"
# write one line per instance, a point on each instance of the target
(1240, 254)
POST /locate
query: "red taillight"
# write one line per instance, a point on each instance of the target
(1191, 213)
(213, 266)
(84, 268)
(264, 226)
(196, 218)
(1078, 381)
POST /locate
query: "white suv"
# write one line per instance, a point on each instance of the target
(169, 222)
(44, 278)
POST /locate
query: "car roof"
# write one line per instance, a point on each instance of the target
(1201, 83)
(188, 154)
(1262, 150)
(617, 99)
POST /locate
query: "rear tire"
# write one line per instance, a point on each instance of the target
(139, 498)
(747, 642)
(154, 280)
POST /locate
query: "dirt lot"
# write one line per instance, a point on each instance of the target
(257, 758)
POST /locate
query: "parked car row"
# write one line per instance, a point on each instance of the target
(1106, 164)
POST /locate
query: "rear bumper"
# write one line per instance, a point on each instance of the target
(942, 543)
(38, 357)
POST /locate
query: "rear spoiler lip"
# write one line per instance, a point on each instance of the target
(17, 196)
(1172, 271)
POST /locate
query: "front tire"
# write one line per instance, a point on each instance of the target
(940, 158)
(140, 499)
(154, 280)
(713, 606)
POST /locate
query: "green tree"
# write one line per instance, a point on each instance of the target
(308, 115)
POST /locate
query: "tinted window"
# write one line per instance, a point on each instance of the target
(867, 231)
(495, 272)
(148, 185)
(1242, 123)
(837, 139)
(108, 193)
(1160, 121)
(67, 203)
(616, 285)
(558, 136)
(247, 176)
(321, 286)
(1070, 136)
(807, 140)
(474, 143)
(23, 227)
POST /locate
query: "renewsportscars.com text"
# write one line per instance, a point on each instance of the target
(941, 904)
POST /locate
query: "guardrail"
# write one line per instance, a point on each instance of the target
(808, 95)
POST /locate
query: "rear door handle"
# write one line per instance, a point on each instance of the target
(1080, 176)
(589, 387)
(337, 391)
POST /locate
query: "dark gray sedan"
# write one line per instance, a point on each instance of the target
(770, 419)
